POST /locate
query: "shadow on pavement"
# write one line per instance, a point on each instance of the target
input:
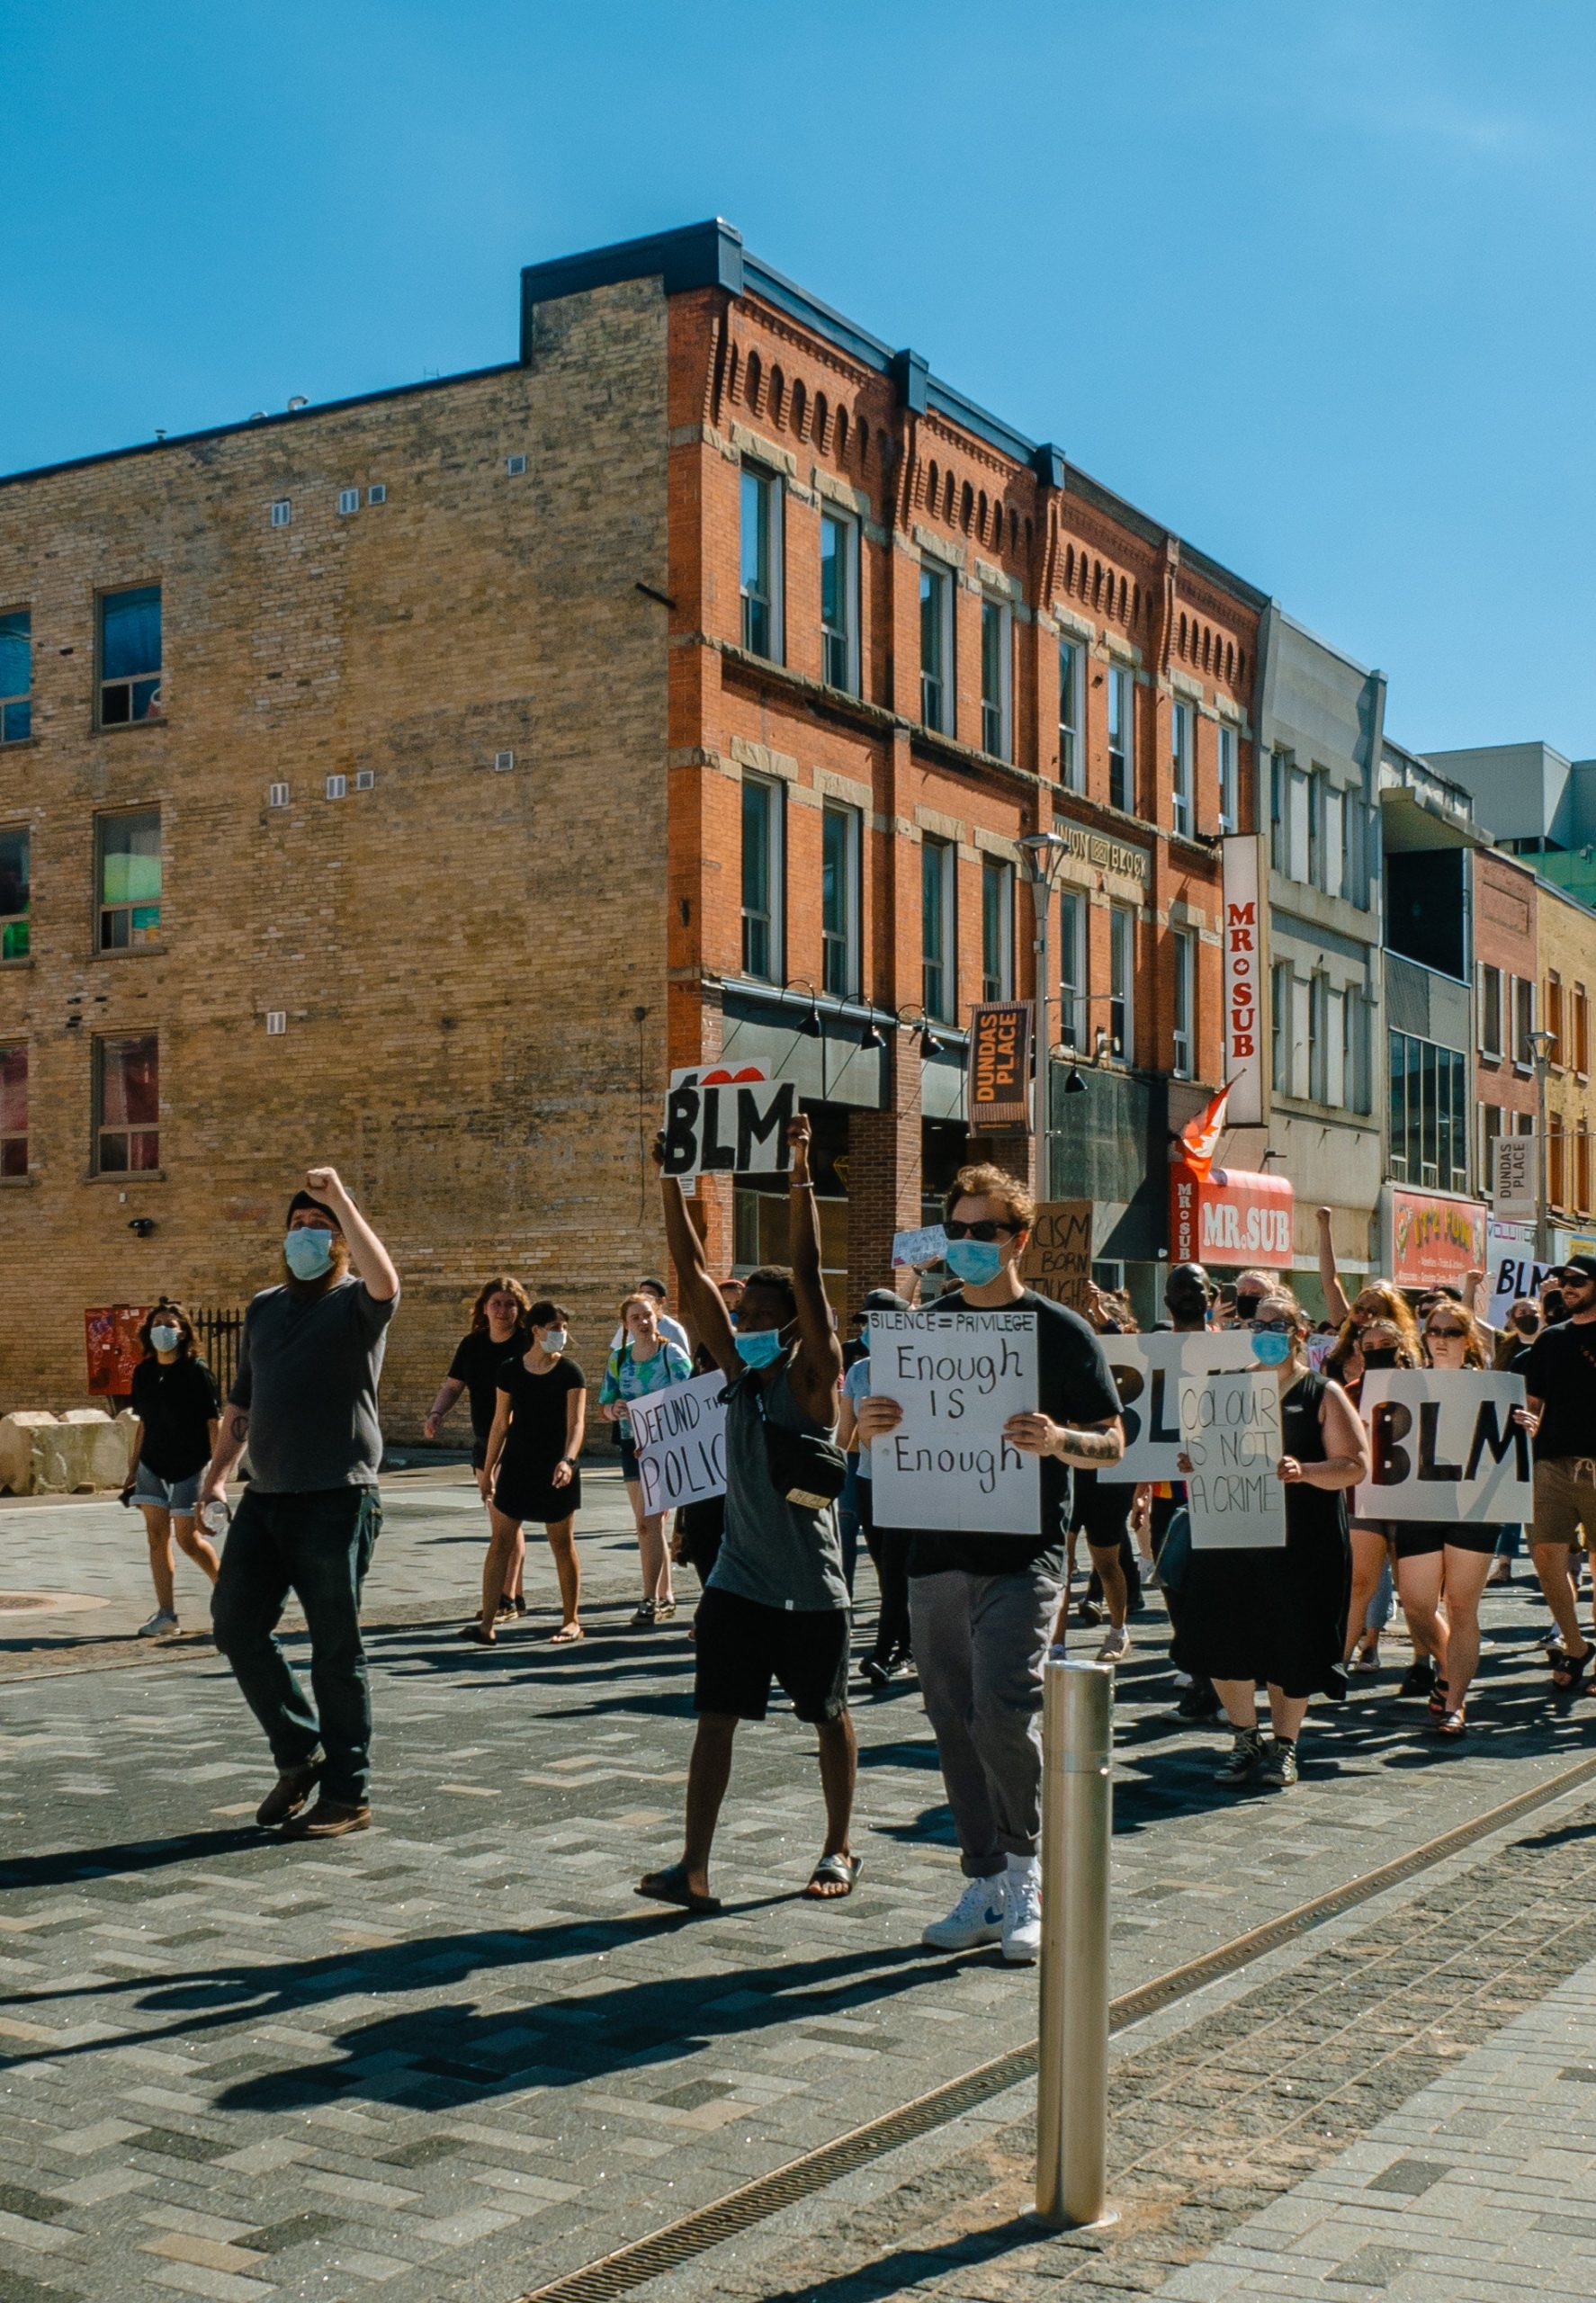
(80, 1865)
(913, 2269)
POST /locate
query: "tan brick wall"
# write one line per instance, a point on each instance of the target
(460, 953)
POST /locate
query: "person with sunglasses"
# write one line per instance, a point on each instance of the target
(1559, 1371)
(984, 1609)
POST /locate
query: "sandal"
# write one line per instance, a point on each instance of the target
(643, 1620)
(670, 1886)
(566, 1635)
(1436, 1705)
(835, 1871)
(1568, 1672)
(664, 1609)
(475, 1631)
(1452, 1724)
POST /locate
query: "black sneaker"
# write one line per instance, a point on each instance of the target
(1420, 1676)
(1280, 1764)
(644, 1615)
(1246, 1754)
(1198, 1702)
(1087, 1612)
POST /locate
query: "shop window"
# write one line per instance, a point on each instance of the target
(126, 1106)
(13, 1111)
(130, 649)
(128, 874)
(16, 675)
(16, 891)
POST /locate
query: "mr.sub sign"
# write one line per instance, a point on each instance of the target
(1230, 1217)
(1243, 974)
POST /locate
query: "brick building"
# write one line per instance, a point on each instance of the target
(1505, 1002)
(413, 781)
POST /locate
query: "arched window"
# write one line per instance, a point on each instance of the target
(1097, 583)
(1230, 659)
(966, 506)
(842, 436)
(933, 490)
(800, 408)
(753, 391)
(947, 496)
(1180, 642)
(1123, 597)
(822, 416)
(733, 372)
(779, 396)
(981, 516)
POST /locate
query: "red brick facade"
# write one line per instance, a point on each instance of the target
(1506, 942)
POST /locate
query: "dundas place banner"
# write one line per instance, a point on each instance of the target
(998, 1076)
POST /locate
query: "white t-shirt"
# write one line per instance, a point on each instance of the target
(671, 1329)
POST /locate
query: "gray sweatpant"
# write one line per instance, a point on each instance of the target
(980, 1645)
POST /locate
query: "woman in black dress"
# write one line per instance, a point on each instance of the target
(1280, 1617)
(530, 1470)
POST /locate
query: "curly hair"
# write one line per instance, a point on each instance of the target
(1396, 1309)
(986, 1181)
(171, 1315)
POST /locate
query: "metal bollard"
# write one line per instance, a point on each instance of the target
(1072, 2061)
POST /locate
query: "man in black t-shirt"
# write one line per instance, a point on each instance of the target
(1559, 1371)
(983, 1608)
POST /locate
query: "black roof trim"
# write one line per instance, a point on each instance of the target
(259, 423)
(695, 256)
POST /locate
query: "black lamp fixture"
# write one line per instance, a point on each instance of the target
(929, 1043)
(808, 1023)
(1075, 1085)
(871, 1036)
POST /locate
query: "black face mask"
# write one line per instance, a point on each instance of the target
(1526, 1322)
(1386, 1358)
(1247, 1306)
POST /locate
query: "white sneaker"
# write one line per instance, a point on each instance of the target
(976, 1918)
(1117, 1646)
(1022, 1911)
(162, 1622)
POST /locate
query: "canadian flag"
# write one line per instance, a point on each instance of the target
(1199, 1138)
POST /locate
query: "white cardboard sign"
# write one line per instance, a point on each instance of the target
(1516, 1275)
(1148, 1369)
(1229, 1428)
(728, 1126)
(680, 1437)
(958, 1376)
(1445, 1447)
(913, 1251)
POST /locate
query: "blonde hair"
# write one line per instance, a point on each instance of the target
(1395, 1310)
(1473, 1342)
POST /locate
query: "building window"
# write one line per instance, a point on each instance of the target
(1490, 1012)
(762, 878)
(936, 648)
(1318, 1020)
(761, 564)
(997, 929)
(1072, 751)
(1354, 1051)
(1121, 983)
(1558, 1051)
(1581, 1170)
(1185, 944)
(995, 673)
(129, 656)
(1581, 1047)
(1332, 838)
(1122, 735)
(1429, 1114)
(1180, 720)
(126, 1106)
(1072, 981)
(1556, 1161)
(1229, 792)
(13, 1111)
(939, 929)
(840, 601)
(1523, 991)
(16, 891)
(839, 900)
(16, 675)
(1280, 1027)
(1490, 1136)
(129, 876)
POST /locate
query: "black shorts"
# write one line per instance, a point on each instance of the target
(1419, 1539)
(1483, 1539)
(740, 1646)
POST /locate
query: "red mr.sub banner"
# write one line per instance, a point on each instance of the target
(1230, 1218)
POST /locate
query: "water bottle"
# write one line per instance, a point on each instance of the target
(215, 1517)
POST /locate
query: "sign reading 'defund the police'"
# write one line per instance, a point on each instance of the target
(958, 1376)
(1445, 1446)
(1147, 1369)
(731, 1123)
(1230, 1429)
(680, 1437)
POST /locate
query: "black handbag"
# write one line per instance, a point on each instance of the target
(805, 1470)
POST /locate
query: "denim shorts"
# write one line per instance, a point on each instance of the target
(181, 1496)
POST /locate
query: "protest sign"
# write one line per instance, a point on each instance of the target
(958, 1376)
(913, 1251)
(1319, 1348)
(1057, 1261)
(680, 1437)
(1445, 1446)
(1229, 1428)
(1516, 1275)
(735, 1125)
(1148, 1369)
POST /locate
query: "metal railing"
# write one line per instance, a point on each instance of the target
(218, 1329)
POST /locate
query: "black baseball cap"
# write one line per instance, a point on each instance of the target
(1187, 1279)
(882, 1299)
(1579, 1268)
(307, 1199)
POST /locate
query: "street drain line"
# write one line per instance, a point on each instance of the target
(678, 2243)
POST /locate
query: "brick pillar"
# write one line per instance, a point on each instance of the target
(883, 1176)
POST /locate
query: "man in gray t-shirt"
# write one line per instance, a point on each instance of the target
(304, 1402)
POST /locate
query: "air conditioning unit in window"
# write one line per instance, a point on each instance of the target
(276, 796)
(336, 786)
(348, 499)
(377, 495)
(282, 512)
(515, 466)
(502, 762)
(365, 779)
(276, 1021)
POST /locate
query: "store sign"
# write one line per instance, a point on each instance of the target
(1232, 1218)
(1514, 1198)
(1434, 1242)
(1243, 979)
(999, 1075)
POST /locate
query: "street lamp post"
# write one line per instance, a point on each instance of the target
(1541, 1044)
(1044, 852)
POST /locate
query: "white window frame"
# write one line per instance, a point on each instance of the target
(1181, 748)
(1299, 835)
(943, 906)
(775, 880)
(1489, 1001)
(1523, 997)
(1071, 732)
(1229, 783)
(1184, 1043)
(1318, 1036)
(941, 577)
(847, 984)
(997, 713)
(995, 872)
(1122, 710)
(1073, 989)
(1332, 840)
(1121, 983)
(769, 485)
(839, 644)
(1280, 1066)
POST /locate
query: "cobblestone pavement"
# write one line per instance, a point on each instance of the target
(456, 2056)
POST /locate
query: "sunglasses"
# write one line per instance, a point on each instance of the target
(987, 1229)
(1449, 1335)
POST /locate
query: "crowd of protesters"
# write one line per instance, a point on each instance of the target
(973, 1617)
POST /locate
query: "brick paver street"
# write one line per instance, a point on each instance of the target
(457, 2056)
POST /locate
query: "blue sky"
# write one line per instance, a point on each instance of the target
(1309, 280)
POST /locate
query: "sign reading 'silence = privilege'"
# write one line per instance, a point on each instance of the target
(1229, 1432)
(719, 1122)
(680, 1437)
(958, 1376)
(999, 1077)
(1445, 1445)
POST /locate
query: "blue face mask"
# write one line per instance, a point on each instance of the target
(759, 1346)
(1271, 1349)
(309, 1253)
(975, 1261)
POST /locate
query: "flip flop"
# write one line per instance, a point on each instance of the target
(670, 1886)
(841, 1869)
(566, 1635)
